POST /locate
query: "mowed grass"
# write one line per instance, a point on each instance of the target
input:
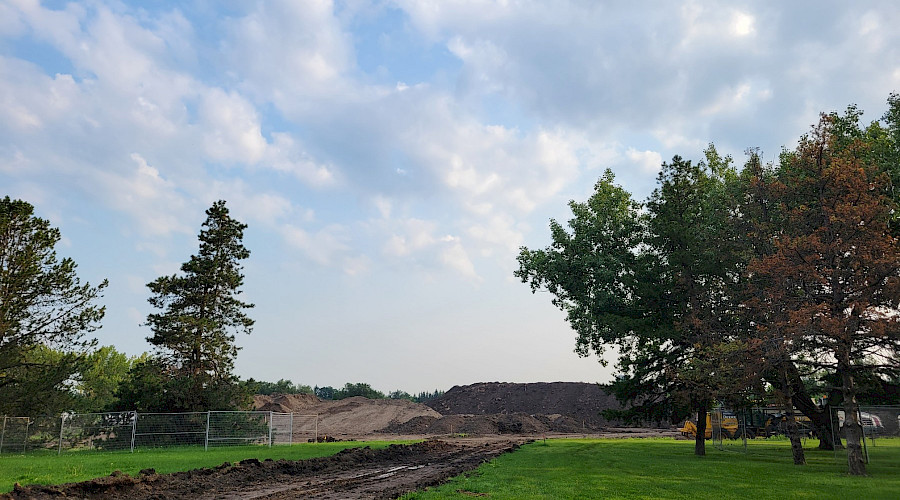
(73, 466)
(666, 468)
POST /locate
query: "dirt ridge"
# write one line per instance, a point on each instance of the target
(352, 473)
(582, 402)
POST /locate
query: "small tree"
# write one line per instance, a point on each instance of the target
(43, 306)
(200, 312)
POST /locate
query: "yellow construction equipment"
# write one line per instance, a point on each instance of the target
(729, 426)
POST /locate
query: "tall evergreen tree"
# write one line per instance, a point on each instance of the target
(200, 313)
(43, 305)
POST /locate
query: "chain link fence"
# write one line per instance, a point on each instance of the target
(129, 430)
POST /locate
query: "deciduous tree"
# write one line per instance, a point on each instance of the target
(654, 284)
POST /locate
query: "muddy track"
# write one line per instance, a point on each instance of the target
(352, 473)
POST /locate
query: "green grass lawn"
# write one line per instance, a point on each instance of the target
(665, 468)
(50, 468)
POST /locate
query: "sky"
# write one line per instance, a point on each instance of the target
(391, 157)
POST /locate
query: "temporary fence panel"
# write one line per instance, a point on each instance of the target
(14, 434)
(239, 428)
(107, 431)
(282, 428)
(305, 428)
(129, 430)
(159, 430)
(878, 423)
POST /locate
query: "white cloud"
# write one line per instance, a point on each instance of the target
(455, 256)
(282, 48)
(412, 235)
(286, 155)
(151, 200)
(232, 129)
(648, 162)
(324, 247)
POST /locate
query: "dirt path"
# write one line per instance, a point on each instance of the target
(352, 473)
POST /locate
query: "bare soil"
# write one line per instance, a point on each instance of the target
(352, 473)
(351, 418)
(476, 423)
(580, 402)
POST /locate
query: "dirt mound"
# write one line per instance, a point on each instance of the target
(498, 423)
(349, 417)
(580, 402)
(285, 403)
(352, 473)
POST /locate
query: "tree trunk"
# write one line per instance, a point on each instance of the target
(852, 428)
(820, 418)
(700, 438)
(791, 426)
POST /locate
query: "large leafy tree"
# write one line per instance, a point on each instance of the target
(834, 268)
(654, 283)
(200, 312)
(43, 306)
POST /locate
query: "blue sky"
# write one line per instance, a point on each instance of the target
(390, 157)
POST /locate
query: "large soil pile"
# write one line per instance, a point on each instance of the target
(580, 402)
(507, 423)
(349, 417)
(478, 409)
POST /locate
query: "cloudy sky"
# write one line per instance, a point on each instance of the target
(390, 157)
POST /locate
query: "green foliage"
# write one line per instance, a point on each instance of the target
(326, 393)
(424, 396)
(650, 280)
(650, 468)
(99, 376)
(398, 394)
(145, 387)
(200, 313)
(358, 389)
(283, 386)
(42, 305)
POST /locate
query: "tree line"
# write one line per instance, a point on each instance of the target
(727, 284)
(349, 390)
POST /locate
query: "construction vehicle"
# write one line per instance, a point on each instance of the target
(756, 423)
(729, 425)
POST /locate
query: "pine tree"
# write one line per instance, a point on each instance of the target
(43, 305)
(200, 313)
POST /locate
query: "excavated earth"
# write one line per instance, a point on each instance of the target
(352, 473)
(476, 423)
(477, 409)
(578, 401)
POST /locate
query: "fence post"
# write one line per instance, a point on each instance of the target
(317, 428)
(206, 445)
(3, 433)
(270, 429)
(133, 429)
(291, 434)
(62, 425)
(25, 441)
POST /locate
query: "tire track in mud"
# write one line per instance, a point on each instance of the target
(353, 473)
